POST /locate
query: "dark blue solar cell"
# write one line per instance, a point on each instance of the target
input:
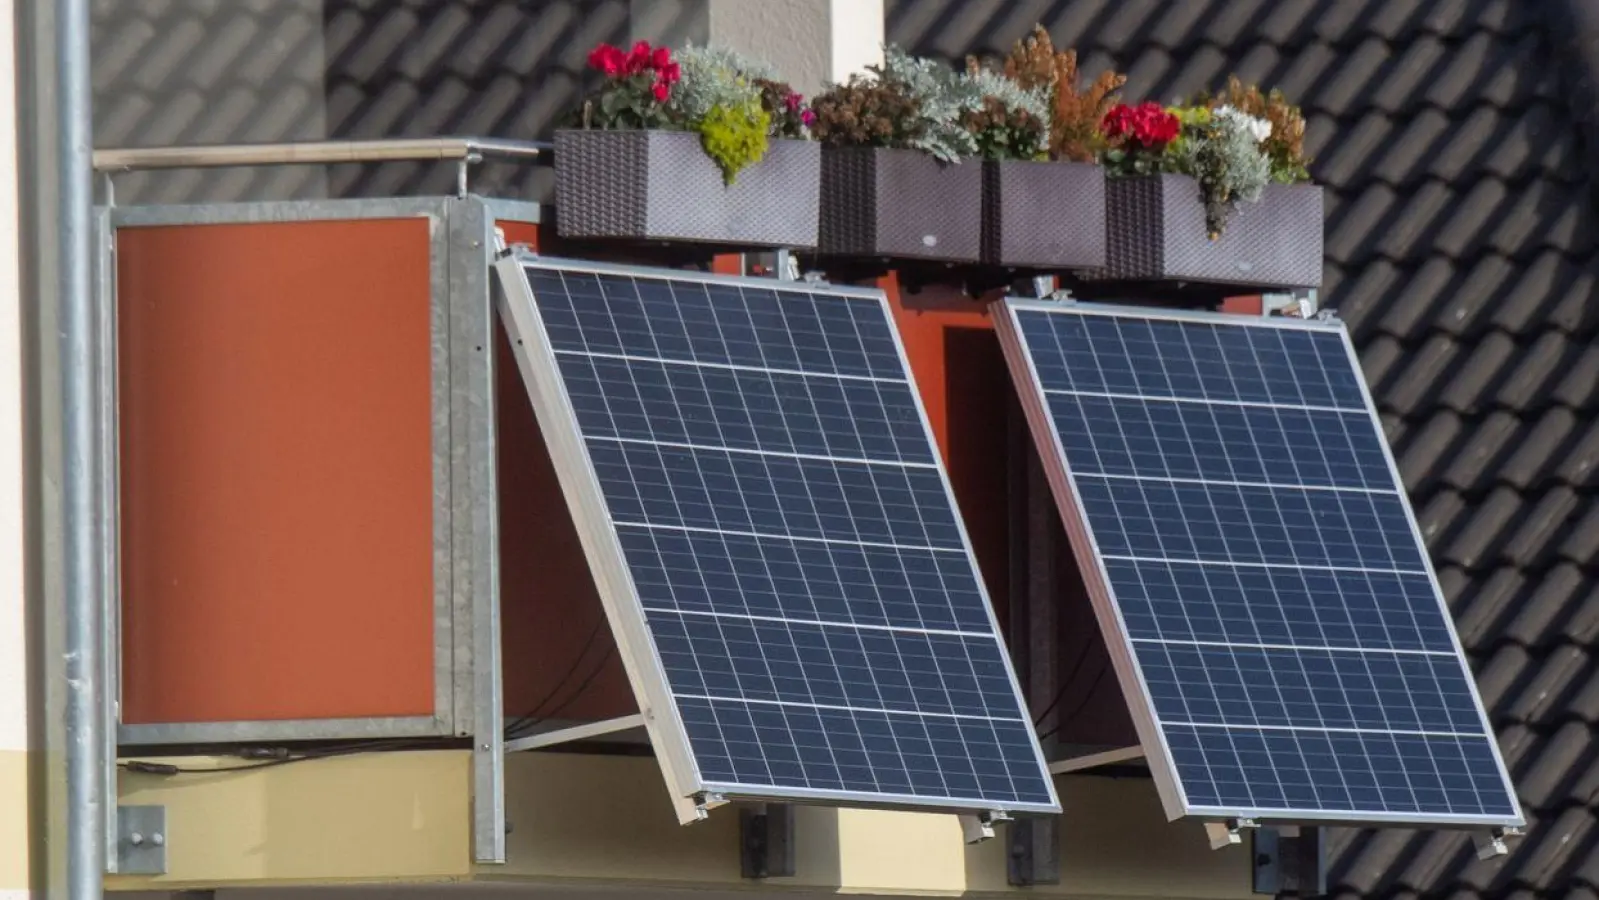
(1307, 688)
(810, 580)
(716, 323)
(1227, 523)
(731, 657)
(752, 744)
(1138, 437)
(790, 539)
(746, 409)
(1260, 550)
(1243, 769)
(1186, 601)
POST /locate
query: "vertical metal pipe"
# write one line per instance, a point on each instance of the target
(85, 751)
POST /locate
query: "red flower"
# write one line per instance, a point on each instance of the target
(671, 73)
(607, 59)
(639, 58)
(661, 58)
(1147, 124)
(662, 90)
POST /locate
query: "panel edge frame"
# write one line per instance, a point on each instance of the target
(1068, 502)
(558, 424)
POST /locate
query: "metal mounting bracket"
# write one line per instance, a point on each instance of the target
(1226, 833)
(979, 827)
(141, 840)
(1034, 856)
(766, 840)
(1492, 843)
(1289, 861)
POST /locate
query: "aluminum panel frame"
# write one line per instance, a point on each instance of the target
(453, 608)
(580, 483)
(1157, 753)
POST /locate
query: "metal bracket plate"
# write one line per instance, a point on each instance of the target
(1289, 862)
(766, 841)
(142, 840)
(1034, 856)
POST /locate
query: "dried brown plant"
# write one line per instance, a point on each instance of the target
(1077, 113)
(862, 112)
(1286, 146)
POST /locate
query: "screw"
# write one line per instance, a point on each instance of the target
(136, 839)
(158, 839)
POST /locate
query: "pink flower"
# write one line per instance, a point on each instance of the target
(661, 58)
(662, 90)
(808, 117)
(671, 73)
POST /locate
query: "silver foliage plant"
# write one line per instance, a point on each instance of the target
(1231, 149)
(716, 76)
(983, 83)
(943, 99)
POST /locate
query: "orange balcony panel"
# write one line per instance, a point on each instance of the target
(276, 471)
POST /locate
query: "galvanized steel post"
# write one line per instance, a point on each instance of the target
(85, 750)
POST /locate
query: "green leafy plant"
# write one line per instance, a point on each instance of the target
(736, 104)
(735, 136)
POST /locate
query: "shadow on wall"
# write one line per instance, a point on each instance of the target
(174, 72)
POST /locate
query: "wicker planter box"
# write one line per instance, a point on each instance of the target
(1048, 215)
(900, 203)
(660, 186)
(1156, 231)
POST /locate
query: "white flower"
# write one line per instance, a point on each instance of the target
(1258, 128)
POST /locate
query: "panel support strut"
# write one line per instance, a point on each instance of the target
(1491, 843)
(575, 733)
(1226, 833)
(766, 840)
(979, 827)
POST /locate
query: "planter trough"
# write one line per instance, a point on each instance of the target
(878, 202)
(1045, 215)
(661, 186)
(1155, 226)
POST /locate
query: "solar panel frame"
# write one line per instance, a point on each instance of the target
(581, 486)
(1108, 612)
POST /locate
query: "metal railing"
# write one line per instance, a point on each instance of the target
(465, 151)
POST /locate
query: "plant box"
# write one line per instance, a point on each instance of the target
(661, 186)
(1048, 215)
(878, 202)
(1155, 227)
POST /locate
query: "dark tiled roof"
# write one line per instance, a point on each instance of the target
(1460, 250)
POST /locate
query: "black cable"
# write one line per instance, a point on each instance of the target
(1082, 704)
(535, 721)
(146, 767)
(532, 718)
(1065, 683)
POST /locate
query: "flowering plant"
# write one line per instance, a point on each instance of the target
(636, 89)
(1137, 138)
(734, 103)
(1077, 114)
(1284, 146)
(1222, 151)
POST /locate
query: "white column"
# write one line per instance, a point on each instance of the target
(15, 831)
(811, 42)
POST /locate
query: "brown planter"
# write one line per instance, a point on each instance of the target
(1048, 215)
(660, 186)
(900, 203)
(1155, 227)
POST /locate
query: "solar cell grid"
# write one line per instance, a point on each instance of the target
(1284, 625)
(770, 487)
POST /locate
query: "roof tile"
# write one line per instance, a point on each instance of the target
(1543, 614)
(1474, 467)
(1491, 359)
(1538, 699)
(1476, 540)
(1536, 369)
(1547, 780)
(1483, 611)
(1541, 526)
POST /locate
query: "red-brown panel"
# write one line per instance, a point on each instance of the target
(277, 483)
(560, 659)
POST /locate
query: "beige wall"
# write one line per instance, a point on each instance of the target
(14, 837)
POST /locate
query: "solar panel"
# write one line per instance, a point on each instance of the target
(1256, 566)
(775, 538)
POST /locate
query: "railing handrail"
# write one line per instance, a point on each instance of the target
(463, 149)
